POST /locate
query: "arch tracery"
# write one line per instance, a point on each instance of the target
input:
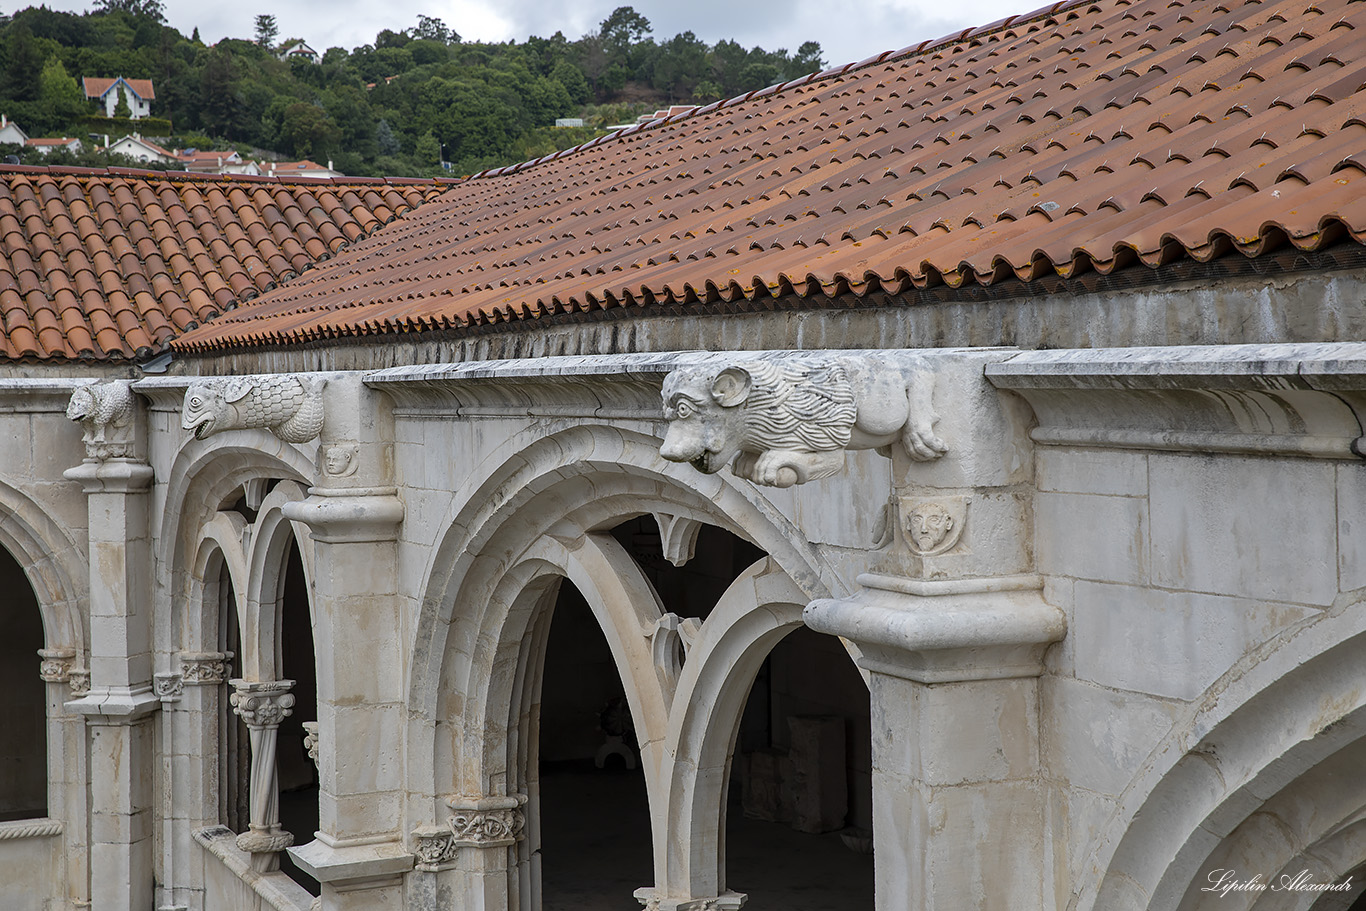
(537, 517)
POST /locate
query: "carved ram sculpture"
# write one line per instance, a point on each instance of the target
(789, 421)
(291, 407)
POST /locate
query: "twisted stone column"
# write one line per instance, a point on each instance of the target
(263, 705)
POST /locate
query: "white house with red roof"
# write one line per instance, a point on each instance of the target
(134, 146)
(137, 92)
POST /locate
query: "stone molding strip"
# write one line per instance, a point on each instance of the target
(30, 828)
(1303, 400)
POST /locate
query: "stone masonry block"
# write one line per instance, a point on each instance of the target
(1092, 537)
(1098, 471)
(1166, 643)
(1206, 538)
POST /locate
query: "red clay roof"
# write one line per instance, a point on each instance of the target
(112, 264)
(96, 86)
(1090, 136)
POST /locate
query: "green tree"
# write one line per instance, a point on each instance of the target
(152, 9)
(428, 149)
(308, 130)
(61, 97)
(121, 109)
(266, 30)
(430, 29)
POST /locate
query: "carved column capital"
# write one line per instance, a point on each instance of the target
(262, 704)
(311, 740)
(204, 668)
(168, 687)
(434, 847)
(487, 822)
(57, 664)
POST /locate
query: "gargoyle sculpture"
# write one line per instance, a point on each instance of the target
(105, 411)
(786, 422)
(291, 407)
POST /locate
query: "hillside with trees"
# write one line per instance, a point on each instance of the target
(401, 106)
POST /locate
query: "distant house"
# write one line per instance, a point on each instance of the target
(303, 168)
(299, 49)
(665, 113)
(136, 147)
(44, 146)
(137, 92)
(10, 132)
(213, 162)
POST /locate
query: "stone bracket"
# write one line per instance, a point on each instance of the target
(353, 866)
(942, 631)
(348, 516)
(116, 703)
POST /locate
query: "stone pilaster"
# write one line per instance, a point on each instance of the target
(119, 701)
(191, 698)
(353, 513)
(952, 626)
(263, 705)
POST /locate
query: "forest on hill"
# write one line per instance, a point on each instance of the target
(402, 106)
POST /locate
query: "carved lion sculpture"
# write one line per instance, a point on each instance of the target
(786, 423)
(291, 407)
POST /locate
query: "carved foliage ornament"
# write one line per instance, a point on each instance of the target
(56, 664)
(434, 847)
(204, 668)
(788, 421)
(105, 411)
(291, 407)
(487, 828)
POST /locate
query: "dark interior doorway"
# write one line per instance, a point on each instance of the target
(23, 711)
(297, 774)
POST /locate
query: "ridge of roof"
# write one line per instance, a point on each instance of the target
(201, 176)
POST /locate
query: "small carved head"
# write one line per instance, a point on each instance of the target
(340, 461)
(929, 524)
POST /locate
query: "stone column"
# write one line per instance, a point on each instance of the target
(952, 626)
(263, 705)
(354, 515)
(190, 702)
(120, 701)
(66, 763)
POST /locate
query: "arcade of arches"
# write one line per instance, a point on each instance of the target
(476, 644)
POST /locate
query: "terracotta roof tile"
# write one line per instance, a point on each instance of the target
(114, 264)
(1085, 137)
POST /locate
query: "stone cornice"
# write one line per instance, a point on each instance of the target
(1306, 400)
(34, 395)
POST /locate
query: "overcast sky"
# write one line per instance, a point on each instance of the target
(847, 32)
